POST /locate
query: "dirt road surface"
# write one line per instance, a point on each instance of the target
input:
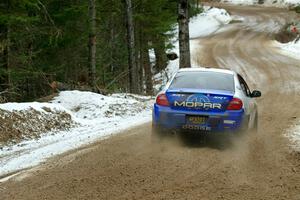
(257, 166)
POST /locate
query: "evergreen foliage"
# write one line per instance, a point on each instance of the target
(297, 9)
(47, 40)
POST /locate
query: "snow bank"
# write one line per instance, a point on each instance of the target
(282, 3)
(278, 3)
(290, 49)
(32, 105)
(208, 22)
(201, 25)
(89, 108)
(97, 116)
(241, 2)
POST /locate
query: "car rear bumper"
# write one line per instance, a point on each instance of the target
(166, 117)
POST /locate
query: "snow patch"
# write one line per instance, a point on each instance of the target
(277, 3)
(208, 22)
(291, 49)
(32, 105)
(89, 108)
(282, 3)
(294, 136)
(241, 2)
(98, 116)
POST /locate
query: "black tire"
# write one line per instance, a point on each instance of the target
(244, 128)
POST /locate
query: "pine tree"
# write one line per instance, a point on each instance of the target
(43, 41)
(92, 44)
(132, 63)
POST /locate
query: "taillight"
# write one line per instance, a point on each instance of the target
(235, 104)
(162, 100)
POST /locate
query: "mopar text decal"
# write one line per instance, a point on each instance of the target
(198, 101)
(198, 105)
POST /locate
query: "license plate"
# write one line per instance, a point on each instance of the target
(196, 120)
(196, 127)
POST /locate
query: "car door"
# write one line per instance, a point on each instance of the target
(249, 102)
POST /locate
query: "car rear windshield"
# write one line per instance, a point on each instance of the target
(203, 80)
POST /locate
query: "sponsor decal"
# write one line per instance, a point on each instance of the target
(198, 101)
(198, 98)
(178, 95)
(221, 98)
(198, 105)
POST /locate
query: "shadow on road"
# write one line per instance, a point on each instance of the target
(219, 142)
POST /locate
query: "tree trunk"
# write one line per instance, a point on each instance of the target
(8, 64)
(132, 64)
(184, 38)
(160, 58)
(92, 44)
(140, 69)
(140, 42)
(147, 69)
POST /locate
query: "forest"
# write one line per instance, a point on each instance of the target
(94, 45)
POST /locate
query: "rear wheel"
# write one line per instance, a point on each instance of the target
(245, 127)
(157, 133)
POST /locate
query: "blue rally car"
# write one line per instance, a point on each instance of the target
(205, 100)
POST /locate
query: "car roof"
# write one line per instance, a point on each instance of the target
(202, 69)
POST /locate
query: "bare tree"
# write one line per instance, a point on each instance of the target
(133, 69)
(184, 38)
(92, 44)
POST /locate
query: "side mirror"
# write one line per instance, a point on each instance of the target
(255, 93)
